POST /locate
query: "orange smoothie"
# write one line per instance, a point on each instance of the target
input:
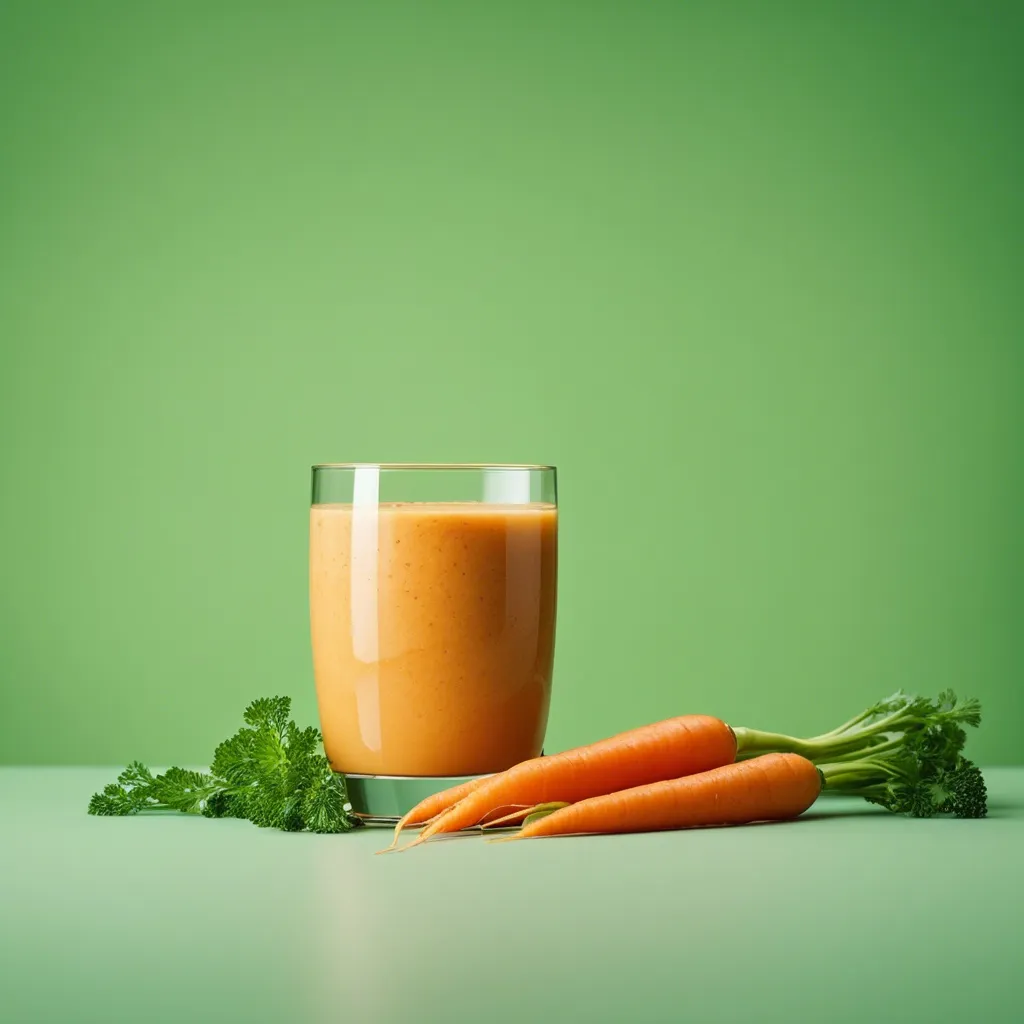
(433, 634)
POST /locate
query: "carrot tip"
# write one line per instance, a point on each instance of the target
(416, 842)
(543, 810)
(521, 812)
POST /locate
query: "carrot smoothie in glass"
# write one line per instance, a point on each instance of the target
(433, 633)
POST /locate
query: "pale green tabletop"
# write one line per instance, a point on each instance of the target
(849, 914)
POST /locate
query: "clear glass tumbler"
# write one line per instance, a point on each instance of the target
(432, 614)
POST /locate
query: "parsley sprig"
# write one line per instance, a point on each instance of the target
(270, 772)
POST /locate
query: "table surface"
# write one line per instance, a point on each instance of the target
(849, 914)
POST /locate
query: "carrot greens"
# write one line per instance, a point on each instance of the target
(903, 753)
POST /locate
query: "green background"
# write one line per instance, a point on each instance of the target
(749, 275)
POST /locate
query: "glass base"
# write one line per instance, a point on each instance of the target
(383, 799)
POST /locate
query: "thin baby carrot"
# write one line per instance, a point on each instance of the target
(523, 813)
(432, 807)
(664, 750)
(772, 787)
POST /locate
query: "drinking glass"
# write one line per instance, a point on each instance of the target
(432, 612)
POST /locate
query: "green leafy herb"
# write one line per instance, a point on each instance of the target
(270, 772)
(903, 753)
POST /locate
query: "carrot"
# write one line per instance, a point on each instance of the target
(433, 807)
(772, 787)
(538, 810)
(664, 750)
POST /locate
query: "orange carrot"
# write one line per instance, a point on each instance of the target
(771, 787)
(665, 750)
(433, 807)
(522, 813)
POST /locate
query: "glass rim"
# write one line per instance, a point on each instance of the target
(414, 466)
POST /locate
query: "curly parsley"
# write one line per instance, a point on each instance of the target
(270, 772)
